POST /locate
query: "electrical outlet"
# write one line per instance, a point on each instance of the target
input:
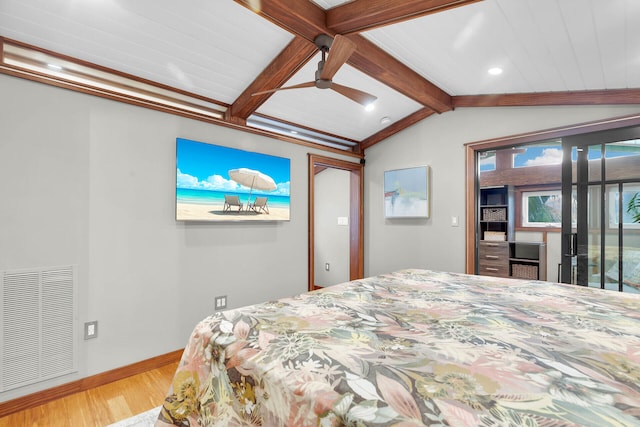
(221, 302)
(91, 330)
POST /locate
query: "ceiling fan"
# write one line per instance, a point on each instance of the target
(341, 49)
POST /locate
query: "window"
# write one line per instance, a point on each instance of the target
(542, 208)
(53, 68)
(548, 153)
(74, 74)
(628, 212)
(487, 161)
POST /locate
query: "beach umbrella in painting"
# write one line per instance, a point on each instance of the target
(252, 179)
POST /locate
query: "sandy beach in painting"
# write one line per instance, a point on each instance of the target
(214, 212)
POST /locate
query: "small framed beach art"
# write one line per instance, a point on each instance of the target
(216, 183)
(406, 193)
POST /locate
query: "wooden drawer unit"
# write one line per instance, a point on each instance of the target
(493, 259)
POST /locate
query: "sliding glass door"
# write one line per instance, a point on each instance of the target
(600, 233)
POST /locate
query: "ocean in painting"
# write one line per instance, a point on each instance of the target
(210, 197)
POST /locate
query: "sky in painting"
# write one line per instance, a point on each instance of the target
(411, 180)
(206, 167)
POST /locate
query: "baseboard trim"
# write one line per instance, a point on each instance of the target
(44, 396)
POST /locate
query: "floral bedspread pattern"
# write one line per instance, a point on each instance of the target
(416, 348)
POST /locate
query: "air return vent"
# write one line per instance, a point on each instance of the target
(37, 325)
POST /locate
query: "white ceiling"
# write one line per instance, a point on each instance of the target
(542, 46)
(216, 48)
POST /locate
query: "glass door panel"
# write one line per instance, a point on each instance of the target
(594, 205)
(622, 247)
(621, 260)
(574, 239)
(594, 239)
(602, 249)
(612, 244)
(630, 249)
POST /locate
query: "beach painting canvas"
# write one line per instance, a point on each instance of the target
(216, 183)
(406, 193)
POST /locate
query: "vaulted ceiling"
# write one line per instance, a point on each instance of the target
(418, 57)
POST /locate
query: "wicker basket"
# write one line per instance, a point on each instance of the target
(524, 271)
(495, 235)
(494, 214)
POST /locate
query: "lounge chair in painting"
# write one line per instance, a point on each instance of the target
(259, 205)
(231, 201)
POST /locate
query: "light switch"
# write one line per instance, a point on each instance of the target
(91, 330)
(343, 220)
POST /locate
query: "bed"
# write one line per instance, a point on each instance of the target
(415, 348)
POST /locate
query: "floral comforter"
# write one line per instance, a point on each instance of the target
(416, 348)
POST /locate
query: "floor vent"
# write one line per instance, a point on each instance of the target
(37, 325)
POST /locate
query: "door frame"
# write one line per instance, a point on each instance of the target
(574, 245)
(356, 214)
(471, 149)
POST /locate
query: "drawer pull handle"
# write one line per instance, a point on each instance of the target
(491, 269)
(492, 257)
(492, 245)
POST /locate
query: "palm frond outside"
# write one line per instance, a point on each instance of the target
(633, 207)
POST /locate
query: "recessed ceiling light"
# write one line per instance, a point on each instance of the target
(370, 107)
(495, 71)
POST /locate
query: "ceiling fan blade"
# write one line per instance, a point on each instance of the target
(356, 95)
(298, 86)
(340, 51)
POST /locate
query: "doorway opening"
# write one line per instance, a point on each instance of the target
(600, 224)
(352, 220)
(569, 194)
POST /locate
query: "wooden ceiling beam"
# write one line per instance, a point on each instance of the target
(594, 97)
(395, 128)
(302, 18)
(363, 15)
(307, 20)
(585, 97)
(377, 63)
(293, 57)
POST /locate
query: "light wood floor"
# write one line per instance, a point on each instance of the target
(100, 406)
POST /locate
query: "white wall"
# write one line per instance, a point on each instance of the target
(91, 182)
(438, 141)
(331, 200)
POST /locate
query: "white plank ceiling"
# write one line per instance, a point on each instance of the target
(542, 46)
(216, 48)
